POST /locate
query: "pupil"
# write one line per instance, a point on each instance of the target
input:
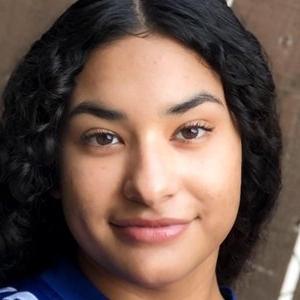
(190, 133)
(104, 138)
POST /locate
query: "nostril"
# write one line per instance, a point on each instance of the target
(130, 192)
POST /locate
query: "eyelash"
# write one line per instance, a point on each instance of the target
(86, 138)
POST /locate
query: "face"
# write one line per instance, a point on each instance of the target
(149, 136)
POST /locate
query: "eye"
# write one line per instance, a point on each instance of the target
(101, 138)
(192, 131)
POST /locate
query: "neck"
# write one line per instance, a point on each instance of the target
(199, 284)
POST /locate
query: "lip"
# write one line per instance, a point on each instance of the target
(150, 231)
(149, 222)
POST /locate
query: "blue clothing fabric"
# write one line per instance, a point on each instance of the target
(64, 281)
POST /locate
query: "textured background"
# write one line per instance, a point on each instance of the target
(277, 24)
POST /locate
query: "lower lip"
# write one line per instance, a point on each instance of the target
(151, 234)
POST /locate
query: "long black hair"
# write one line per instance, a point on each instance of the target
(32, 227)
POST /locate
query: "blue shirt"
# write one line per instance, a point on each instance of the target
(63, 281)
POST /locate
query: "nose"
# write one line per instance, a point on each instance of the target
(152, 176)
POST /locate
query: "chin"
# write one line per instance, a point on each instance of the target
(158, 278)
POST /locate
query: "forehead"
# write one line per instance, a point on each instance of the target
(156, 71)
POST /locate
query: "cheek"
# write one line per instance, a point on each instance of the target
(215, 181)
(216, 169)
(88, 195)
(89, 185)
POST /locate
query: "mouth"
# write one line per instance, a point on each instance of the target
(150, 231)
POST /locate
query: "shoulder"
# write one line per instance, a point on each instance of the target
(34, 287)
(11, 293)
(63, 280)
(29, 289)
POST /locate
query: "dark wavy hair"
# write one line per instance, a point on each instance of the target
(33, 232)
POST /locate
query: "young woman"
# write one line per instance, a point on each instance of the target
(140, 154)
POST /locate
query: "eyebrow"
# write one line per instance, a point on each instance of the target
(98, 109)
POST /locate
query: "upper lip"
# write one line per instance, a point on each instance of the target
(149, 222)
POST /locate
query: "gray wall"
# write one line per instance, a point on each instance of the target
(277, 24)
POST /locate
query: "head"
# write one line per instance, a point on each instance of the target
(140, 109)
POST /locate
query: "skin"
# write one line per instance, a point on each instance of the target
(150, 170)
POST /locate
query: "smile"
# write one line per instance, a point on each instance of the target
(147, 231)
